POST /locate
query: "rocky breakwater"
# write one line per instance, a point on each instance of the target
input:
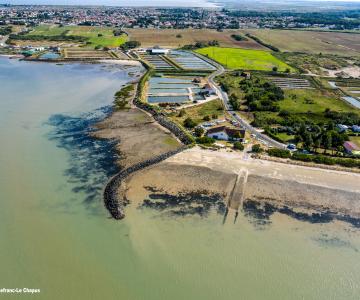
(111, 198)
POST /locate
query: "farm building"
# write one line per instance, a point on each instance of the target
(159, 51)
(225, 133)
(351, 148)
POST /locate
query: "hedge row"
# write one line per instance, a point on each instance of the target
(318, 159)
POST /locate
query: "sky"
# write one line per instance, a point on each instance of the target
(177, 3)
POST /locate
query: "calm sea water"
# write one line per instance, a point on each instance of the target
(56, 235)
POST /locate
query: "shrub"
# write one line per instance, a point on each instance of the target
(256, 148)
(206, 118)
(189, 123)
(238, 146)
(279, 153)
(205, 140)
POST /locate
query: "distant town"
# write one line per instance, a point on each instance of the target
(177, 18)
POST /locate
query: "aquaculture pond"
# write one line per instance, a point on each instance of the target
(167, 99)
(50, 55)
(57, 236)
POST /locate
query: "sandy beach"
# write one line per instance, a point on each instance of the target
(238, 181)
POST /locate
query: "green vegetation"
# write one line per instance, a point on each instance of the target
(204, 140)
(318, 159)
(264, 105)
(238, 146)
(235, 58)
(238, 37)
(313, 62)
(5, 30)
(199, 45)
(197, 113)
(322, 159)
(279, 153)
(92, 35)
(256, 148)
(189, 123)
(122, 97)
(256, 39)
(130, 45)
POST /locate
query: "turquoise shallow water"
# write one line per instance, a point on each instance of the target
(57, 236)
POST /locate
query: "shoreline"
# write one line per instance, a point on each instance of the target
(253, 186)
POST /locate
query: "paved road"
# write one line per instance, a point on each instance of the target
(224, 97)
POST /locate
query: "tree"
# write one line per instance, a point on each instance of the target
(327, 140)
(275, 69)
(189, 123)
(256, 148)
(206, 118)
(238, 146)
(308, 140)
(130, 45)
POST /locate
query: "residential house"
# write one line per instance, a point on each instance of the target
(227, 134)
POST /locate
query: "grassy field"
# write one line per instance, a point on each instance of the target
(345, 44)
(102, 36)
(234, 58)
(174, 38)
(315, 101)
(198, 112)
(307, 104)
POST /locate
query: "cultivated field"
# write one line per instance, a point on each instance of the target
(174, 38)
(102, 36)
(346, 44)
(235, 58)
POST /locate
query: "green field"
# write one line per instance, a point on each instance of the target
(306, 104)
(198, 112)
(303, 101)
(235, 58)
(106, 38)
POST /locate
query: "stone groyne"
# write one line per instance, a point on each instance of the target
(114, 205)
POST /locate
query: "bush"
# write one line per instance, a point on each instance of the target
(279, 153)
(189, 123)
(205, 140)
(256, 148)
(206, 118)
(326, 160)
(130, 45)
(238, 146)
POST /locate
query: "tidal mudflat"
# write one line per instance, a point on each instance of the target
(56, 238)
